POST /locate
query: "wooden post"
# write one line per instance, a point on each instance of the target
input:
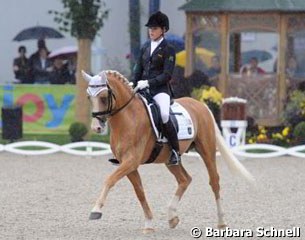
(224, 59)
(83, 63)
(282, 88)
(189, 46)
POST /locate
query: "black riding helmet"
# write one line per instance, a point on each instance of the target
(158, 19)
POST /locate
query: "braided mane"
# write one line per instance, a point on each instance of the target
(119, 77)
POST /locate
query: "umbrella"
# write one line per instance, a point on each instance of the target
(71, 50)
(176, 41)
(261, 56)
(38, 32)
(203, 54)
(64, 52)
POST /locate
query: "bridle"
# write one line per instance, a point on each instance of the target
(102, 116)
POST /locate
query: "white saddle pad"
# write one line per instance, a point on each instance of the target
(186, 127)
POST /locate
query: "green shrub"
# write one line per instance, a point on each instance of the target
(299, 133)
(77, 131)
(294, 111)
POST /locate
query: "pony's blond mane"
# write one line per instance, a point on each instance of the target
(118, 76)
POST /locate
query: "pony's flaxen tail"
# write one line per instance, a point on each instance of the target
(233, 163)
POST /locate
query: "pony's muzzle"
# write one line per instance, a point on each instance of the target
(97, 126)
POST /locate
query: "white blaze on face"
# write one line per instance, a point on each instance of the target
(96, 126)
(97, 84)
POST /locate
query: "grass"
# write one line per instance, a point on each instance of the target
(60, 139)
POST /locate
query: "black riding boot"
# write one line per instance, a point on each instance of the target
(170, 133)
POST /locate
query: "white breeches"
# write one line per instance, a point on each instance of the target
(163, 101)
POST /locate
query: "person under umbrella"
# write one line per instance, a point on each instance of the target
(21, 66)
(41, 44)
(41, 67)
(60, 73)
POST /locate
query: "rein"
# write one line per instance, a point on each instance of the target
(103, 115)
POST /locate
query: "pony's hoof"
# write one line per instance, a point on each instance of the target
(95, 216)
(173, 222)
(148, 230)
(222, 226)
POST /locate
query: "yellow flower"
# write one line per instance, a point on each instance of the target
(205, 95)
(285, 131)
(211, 94)
(278, 136)
(262, 130)
(261, 137)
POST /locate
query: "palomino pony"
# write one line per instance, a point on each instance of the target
(132, 140)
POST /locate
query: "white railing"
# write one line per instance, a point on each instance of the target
(273, 151)
(87, 148)
(102, 149)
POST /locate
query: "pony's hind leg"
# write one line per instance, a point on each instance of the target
(184, 180)
(208, 154)
(135, 179)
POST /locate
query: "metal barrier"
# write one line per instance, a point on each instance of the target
(102, 149)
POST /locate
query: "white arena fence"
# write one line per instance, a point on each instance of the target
(102, 149)
(77, 148)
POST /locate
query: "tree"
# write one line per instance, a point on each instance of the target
(83, 19)
(134, 30)
(154, 6)
(134, 26)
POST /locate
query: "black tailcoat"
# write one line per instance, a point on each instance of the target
(156, 68)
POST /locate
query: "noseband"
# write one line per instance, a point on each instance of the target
(103, 115)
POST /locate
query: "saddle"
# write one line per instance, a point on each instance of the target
(178, 115)
(153, 111)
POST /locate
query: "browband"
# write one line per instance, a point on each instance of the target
(97, 86)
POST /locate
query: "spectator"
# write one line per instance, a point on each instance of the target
(71, 66)
(21, 66)
(252, 68)
(59, 73)
(292, 69)
(40, 44)
(294, 78)
(35, 56)
(41, 67)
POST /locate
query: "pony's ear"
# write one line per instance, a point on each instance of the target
(86, 76)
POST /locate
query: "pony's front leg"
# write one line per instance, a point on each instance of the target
(124, 169)
(135, 179)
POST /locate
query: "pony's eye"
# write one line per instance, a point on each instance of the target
(104, 100)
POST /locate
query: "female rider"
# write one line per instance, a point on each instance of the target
(153, 70)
